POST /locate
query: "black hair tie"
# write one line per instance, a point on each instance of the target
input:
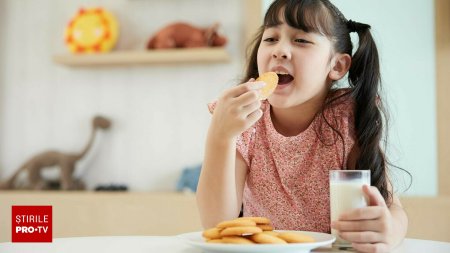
(356, 26)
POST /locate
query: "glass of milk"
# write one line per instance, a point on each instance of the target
(346, 193)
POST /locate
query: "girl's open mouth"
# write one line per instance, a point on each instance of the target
(284, 79)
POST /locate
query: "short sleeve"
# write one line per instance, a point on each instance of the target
(244, 144)
(343, 109)
(345, 113)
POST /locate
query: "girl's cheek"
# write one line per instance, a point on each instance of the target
(264, 58)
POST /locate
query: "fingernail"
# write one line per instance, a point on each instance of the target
(333, 224)
(257, 85)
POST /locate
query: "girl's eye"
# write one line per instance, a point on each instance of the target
(270, 39)
(302, 41)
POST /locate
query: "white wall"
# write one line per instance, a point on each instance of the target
(404, 33)
(159, 113)
(2, 60)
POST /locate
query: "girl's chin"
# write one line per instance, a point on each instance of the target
(278, 101)
(280, 96)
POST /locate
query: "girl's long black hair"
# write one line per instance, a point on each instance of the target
(364, 78)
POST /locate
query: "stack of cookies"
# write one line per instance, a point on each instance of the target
(251, 230)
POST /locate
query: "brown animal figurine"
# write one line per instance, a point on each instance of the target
(179, 35)
(65, 161)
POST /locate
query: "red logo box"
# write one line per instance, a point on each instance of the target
(31, 224)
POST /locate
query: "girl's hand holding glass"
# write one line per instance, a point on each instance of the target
(369, 229)
(237, 109)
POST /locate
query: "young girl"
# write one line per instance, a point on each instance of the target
(272, 158)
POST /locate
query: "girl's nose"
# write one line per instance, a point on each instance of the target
(281, 51)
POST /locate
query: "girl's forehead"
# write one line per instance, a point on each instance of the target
(309, 16)
(281, 23)
(284, 26)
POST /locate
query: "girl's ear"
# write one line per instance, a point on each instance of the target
(340, 65)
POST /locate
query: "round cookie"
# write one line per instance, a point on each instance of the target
(270, 233)
(236, 223)
(212, 233)
(265, 227)
(240, 231)
(266, 238)
(292, 237)
(271, 80)
(258, 220)
(237, 240)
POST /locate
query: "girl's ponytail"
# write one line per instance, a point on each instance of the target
(364, 77)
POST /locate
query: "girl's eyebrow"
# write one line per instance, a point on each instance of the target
(272, 26)
(302, 32)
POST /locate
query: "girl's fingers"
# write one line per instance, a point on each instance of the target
(243, 88)
(361, 237)
(247, 98)
(357, 226)
(246, 110)
(370, 247)
(254, 116)
(364, 213)
(374, 196)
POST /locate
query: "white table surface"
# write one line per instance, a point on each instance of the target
(170, 244)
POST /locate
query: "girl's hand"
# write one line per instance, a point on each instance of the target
(236, 110)
(369, 229)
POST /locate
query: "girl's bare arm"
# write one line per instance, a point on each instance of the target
(221, 183)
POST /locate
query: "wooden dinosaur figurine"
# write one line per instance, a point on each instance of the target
(65, 161)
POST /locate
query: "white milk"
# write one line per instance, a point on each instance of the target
(345, 196)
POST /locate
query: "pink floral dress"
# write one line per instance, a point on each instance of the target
(287, 180)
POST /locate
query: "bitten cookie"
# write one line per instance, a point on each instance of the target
(271, 80)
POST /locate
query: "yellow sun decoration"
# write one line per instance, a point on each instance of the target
(92, 30)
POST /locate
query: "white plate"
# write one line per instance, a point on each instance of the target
(195, 239)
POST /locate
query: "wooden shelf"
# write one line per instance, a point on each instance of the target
(166, 56)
